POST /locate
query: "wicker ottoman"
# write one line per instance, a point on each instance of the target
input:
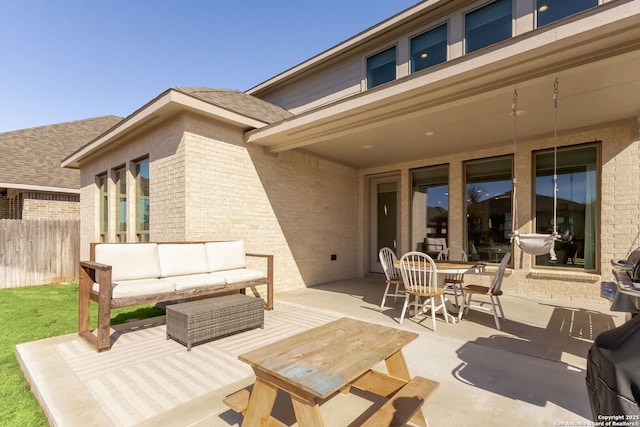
(193, 322)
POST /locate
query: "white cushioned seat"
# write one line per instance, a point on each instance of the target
(239, 275)
(225, 255)
(179, 259)
(196, 281)
(138, 287)
(131, 261)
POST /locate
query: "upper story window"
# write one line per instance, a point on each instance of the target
(121, 207)
(142, 200)
(429, 48)
(381, 68)
(488, 25)
(548, 11)
(103, 189)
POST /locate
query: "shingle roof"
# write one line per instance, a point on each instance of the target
(32, 156)
(238, 102)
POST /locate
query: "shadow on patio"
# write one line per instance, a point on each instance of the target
(533, 369)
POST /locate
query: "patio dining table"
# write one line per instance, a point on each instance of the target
(455, 268)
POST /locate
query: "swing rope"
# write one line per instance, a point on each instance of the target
(536, 244)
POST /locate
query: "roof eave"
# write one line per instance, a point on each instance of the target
(46, 188)
(349, 44)
(168, 103)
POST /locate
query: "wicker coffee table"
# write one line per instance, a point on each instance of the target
(197, 321)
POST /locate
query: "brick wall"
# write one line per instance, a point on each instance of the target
(205, 184)
(37, 205)
(619, 221)
(297, 207)
(32, 205)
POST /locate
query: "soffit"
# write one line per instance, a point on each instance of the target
(467, 102)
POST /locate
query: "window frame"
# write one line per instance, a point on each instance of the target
(469, 12)
(120, 181)
(368, 80)
(431, 29)
(538, 6)
(102, 184)
(597, 192)
(503, 245)
(442, 225)
(142, 233)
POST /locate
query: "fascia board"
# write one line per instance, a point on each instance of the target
(458, 72)
(349, 44)
(168, 103)
(39, 188)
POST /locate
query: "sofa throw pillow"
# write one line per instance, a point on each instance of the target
(179, 259)
(226, 255)
(129, 261)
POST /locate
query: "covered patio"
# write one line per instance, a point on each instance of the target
(533, 369)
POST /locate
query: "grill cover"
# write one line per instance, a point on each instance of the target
(613, 371)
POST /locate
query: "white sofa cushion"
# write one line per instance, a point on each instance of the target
(139, 287)
(178, 259)
(129, 261)
(239, 275)
(226, 255)
(196, 281)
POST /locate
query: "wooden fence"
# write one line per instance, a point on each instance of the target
(38, 252)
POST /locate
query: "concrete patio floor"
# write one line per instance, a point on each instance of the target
(531, 372)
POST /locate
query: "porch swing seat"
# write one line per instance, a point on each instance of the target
(535, 244)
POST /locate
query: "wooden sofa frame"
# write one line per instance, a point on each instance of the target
(92, 272)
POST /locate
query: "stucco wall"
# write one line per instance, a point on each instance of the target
(619, 196)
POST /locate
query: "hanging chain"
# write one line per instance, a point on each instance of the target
(514, 203)
(556, 88)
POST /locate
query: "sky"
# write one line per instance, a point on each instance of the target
(65, 60)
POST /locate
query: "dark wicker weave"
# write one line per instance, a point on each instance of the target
(197, 321)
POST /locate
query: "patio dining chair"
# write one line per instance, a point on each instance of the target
(420, 277)
(493, 292)
(453, 282)
(394, 278)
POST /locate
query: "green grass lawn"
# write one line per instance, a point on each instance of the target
(30, 314)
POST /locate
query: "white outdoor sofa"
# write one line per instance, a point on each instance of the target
(128, 274)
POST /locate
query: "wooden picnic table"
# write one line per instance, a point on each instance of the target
(314, 365)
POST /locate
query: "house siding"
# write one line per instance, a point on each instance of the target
(341, 80)
(619, 229)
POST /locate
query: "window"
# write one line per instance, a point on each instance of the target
(577, 204)
(430, 209)
(104, 207)
(488, 25)
(549, 11)
(429, 48)
(381, 68)
(121, 208)
(142, 200)
(488, 191)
